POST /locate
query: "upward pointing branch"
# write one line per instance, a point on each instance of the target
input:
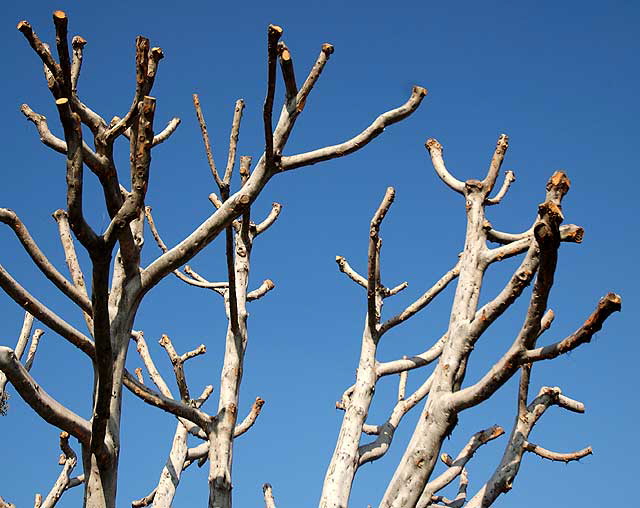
(205, 139)
(274, 33)
(373, 276)
(496, 162)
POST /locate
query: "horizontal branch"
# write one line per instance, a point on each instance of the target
(555, 456)
(412, 362)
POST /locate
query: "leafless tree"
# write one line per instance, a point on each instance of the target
(412, 484)
(110, 310)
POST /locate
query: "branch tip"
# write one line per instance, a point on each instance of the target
(419, 90)
(328, 49)
(78, 42)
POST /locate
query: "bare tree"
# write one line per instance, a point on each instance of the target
(109, 310)
(412, 484)
(109, 306)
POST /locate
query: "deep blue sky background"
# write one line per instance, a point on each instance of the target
(561, 78)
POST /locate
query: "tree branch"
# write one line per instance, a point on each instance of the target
(364, 138)
(288, 74)
(555, 456)
(274, 33)
(40, 401)
(268, 496)
(509, 178)
(80, 298)
(373, 271)
(609, 304)
(423, 301)
(435, 150)
(250, 419)
(496, 161)
(93, 160)
(412, 362)
(264, 288)
(270, 219)
(43, 314)
(205, 139)
(68, 460)
(376, 449)
(233, 142)
(77, 43)
(165, 133)
(178, 364)
(456, 466)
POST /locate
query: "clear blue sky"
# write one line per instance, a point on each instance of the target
(561, 78)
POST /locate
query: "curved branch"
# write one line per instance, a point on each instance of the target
(92, 159)
(435, 150)
(165, 133)
(519, 243)
(360, 140)
(264, 288)
(555, 456)
(412, 362)
(509, 178)
(40, 401)
(250, 419)
(269, 220)
(609, 304)
(345, 268)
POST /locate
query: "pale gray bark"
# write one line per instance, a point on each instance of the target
(68, 460)
(446, 399)
(110, 310)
